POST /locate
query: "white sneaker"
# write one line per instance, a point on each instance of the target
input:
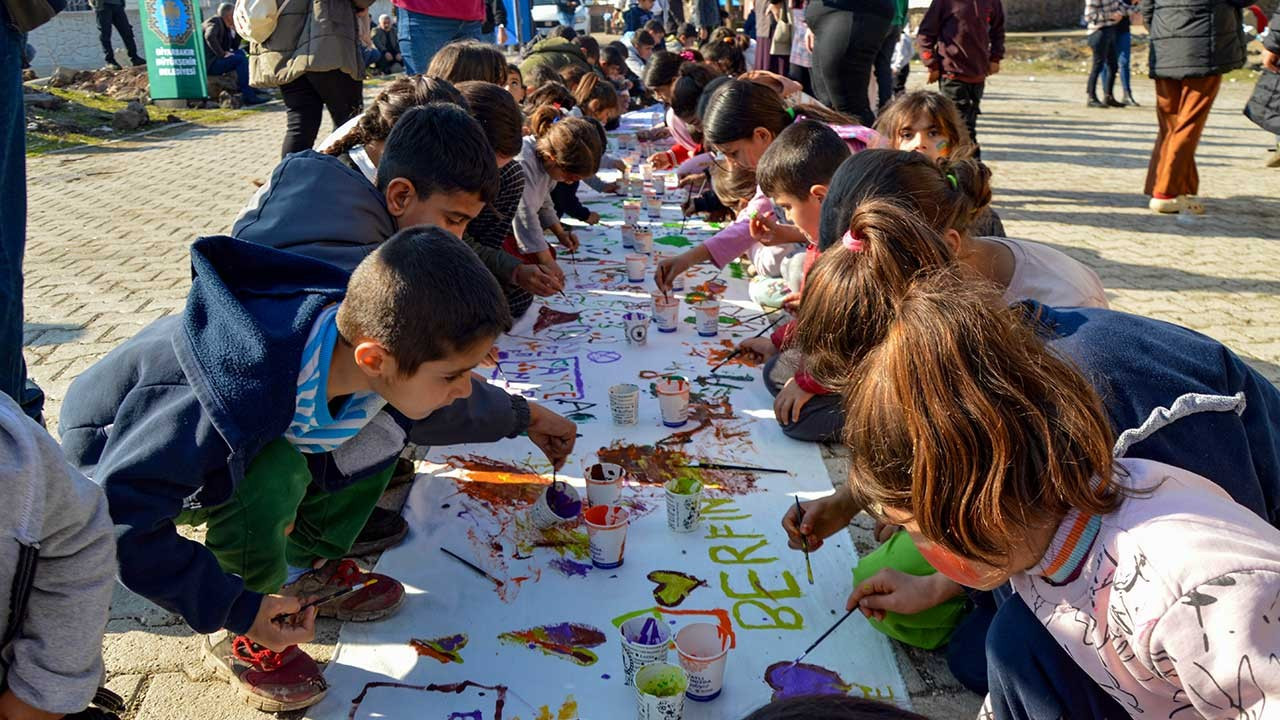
(1165, 205)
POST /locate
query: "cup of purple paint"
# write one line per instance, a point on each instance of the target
(645, 640)
(607, 534)
(604, 484)
(558, 504)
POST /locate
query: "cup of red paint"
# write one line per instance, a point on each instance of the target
(645, 640)
(559, 503)
(704, 650)
(673, 400)
(607, 533)
(604, 484)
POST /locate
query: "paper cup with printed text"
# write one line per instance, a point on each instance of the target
(645, 640)
(666, 310)
(673, 400)
(684, 504)
(660, 692)
(706, 316)
(630, 212)
(636, 325)
(653, 207)
(644, 240)
(607, 533)
(636, 263)
(559, 503)
(704, 650)
(628, 237)
(624, 403)
(604, 483)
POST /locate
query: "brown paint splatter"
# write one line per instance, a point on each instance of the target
(548, 317)
(650, 465)
(496, 483)
(717, 355)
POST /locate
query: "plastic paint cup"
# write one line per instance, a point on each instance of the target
(706, 314)
(636, 264)
(660, 184)
(604, 484)
(644, 241)
(637, 327)
(645, 640)
(630, 212)
(607, 532)
(703, 652)
(684, 509)
(558, 504)
(626, 142)
(628, 237)
(673, 399)
(653, 205)
(624, 403)
(660, 692)
(646, 172)
(667, 312)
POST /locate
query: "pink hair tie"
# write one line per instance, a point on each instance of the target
(852, 242)
(686, 55)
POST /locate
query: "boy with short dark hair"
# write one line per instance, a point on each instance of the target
(259, 412)
(962, 43)
(435, 168)
(634, 17)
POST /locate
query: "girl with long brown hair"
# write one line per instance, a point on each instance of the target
(1143, 589)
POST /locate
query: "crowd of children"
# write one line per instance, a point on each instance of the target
(1082, 503)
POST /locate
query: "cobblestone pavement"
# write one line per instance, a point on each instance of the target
(109, 228)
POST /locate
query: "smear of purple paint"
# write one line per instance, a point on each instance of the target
(792, 680)
(604, 676)
(571, 568)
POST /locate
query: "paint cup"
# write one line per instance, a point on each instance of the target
(645, 640)
(624, 403)
(637, 186)
(706, 315)
(673, 400)
(653, 205)
(604, 484)
(637, 327)
(607, 533)
(677, 282)
(626, 142)
(660, 692)
(630, 212)
(646, 171)
(558, 504)
(628, 237)
(660, 184)
(684, 504)
(703, 651)
(636, 264)
(667, 312)
(644, 241)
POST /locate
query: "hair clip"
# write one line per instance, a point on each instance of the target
(687, 55)
(791, 112)
(852, 241)
(951, 178)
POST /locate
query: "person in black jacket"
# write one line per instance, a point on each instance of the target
(1193, 44)
(387, 41)
(1264, 106)
(494, 28)
(223, 53)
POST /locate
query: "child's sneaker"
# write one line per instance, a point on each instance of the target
(267, 680)
(1164, 205)
(372, 603)
(383, 530)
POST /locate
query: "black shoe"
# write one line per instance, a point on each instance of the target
(138, 62)
(1112, 102)
(384, 529)
(404, 473)
(1094, 103)
(113, 65)
(253, 97)
(1128, 100)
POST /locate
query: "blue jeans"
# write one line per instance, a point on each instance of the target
(1124, 42)
(237, 61)
(13, 223)
(566, 19)
(422, 36)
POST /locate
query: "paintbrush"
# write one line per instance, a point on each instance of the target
(745, 468)
(804, 541)
(479, 570)
(822, 637)
(320, 601)
(738, 350)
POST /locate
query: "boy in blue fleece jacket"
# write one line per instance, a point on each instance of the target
(260, 412)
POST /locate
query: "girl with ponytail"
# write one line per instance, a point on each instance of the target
(741, 120)
(688, 155)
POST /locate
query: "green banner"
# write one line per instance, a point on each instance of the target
(175, 49)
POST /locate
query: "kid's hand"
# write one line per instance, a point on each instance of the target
(660, 161)
(667, 271)
(808, 41)
(619, 165)
(279, 635)
(823, 518)
(1270, 60)
(789, 403)
(593, 219)
(693, 180)
(13, 708)
(610, 188)
(761, 347)
(536, 280)
(892, 590)
(762, 226)
(570, 240)
(553, 269)
(791, 303)
(934, 76)
(553, 433)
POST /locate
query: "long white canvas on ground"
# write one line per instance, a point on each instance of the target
(735, 570)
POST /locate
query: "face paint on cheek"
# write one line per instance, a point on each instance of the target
(952, 565)
(943, 148)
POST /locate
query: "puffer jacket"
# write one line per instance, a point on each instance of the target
(1264, 106)
(1194, 38)
(310, 36)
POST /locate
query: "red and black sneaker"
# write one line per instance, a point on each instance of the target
(267, 680)
(375, 602)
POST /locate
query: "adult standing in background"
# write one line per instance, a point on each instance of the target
(565, 9)
(1193, 43)
(1103, 18)
(314, 57)
(494, 28)
(706, 16)
(884, 58)
(844, 37)
(428, 25)
(109, 14)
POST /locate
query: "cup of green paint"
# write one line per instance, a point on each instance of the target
(645, 640)
(604, 484)
(684, 504)
(704, 650)
(660, 691)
